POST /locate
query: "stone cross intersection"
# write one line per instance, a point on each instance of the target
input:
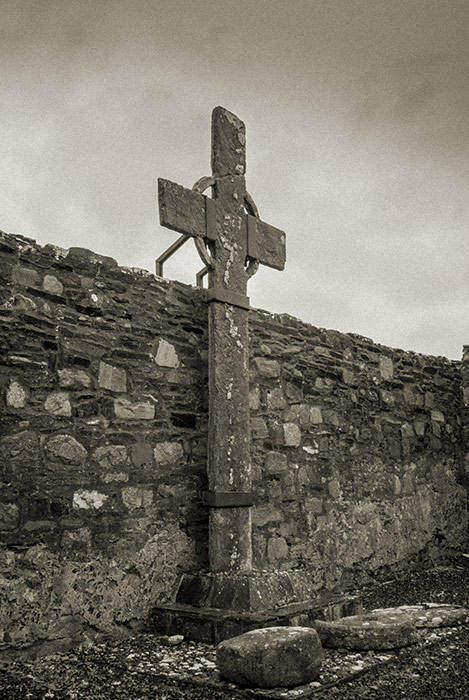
(232, 241)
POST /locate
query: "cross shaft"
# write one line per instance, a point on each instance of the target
(238, 241)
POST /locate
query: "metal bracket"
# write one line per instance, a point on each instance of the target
(168, 253)
(227, 499)
(219, 294)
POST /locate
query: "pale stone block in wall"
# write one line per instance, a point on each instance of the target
(112, 378)
(275, 462)
(67, 448)
(316, 415)
(277, 549)
(16, 395)
(291, 435)
(73, 377)
(254, 399)
(58, 403)
(139, 410)
(386, 367)
(267, 368)
(110, 456)
(438, 416)
(136, 497)
(52, 285)
(166, 355)
(83, 499)
(168, 452)
(25, 276)
(275, 399)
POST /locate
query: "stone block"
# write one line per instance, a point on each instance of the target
(259, 428)
(25, 276)
(8, 516)
(437, 416)
(142, 454)
(166, 355)
(112, 378)
(74, 378)
(272, 657)
(168, 452)
(267, 368)
(133, 410)
(275, 462)
(291, 435)
(66, 448)
(16, 395)
(386, 367)
(277, 549)
(254, 399)
(136, 497)
(88, 500)
(51, 284)
(110, 456)
(58, 403)
(275, 399)
(316, 415)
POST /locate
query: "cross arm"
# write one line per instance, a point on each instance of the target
(181, 209)
(266, 243)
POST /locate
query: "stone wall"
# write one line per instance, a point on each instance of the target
(103, 441)
(357, 449)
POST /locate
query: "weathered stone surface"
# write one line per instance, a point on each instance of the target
(267, 368)
(58, 403)
(112, 378)
(73, 377)
(89, 499)
(133, 410)
(51, 284)
(136, 497)
(168, 452)
(110, 456)
(272, 657)
(166, 355)
(67, 448)
(388, 628)
(16, 395)
(291, 435)
(8, 516)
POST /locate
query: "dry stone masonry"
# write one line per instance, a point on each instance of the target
(359, 452)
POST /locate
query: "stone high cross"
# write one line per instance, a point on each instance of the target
(232, 241)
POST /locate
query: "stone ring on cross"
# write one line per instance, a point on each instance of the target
(252, 264)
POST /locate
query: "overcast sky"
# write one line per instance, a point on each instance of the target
(357, 118)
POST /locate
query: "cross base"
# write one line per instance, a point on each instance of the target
(213, 607)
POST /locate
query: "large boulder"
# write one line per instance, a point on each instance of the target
(271, 657)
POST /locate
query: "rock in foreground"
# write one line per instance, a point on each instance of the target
(388, 628)
(272, 657)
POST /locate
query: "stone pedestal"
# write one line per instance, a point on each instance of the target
(215, 606)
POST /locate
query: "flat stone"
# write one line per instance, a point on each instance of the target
(73, 377)
(271, 658)
(66, 448)
(112, 378)
(166, 355)
(267, 368)
(58, 403)
(168, 452)
(16, 395)
(139, 410)
(388, 628)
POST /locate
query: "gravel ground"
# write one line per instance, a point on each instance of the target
(145, 668)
